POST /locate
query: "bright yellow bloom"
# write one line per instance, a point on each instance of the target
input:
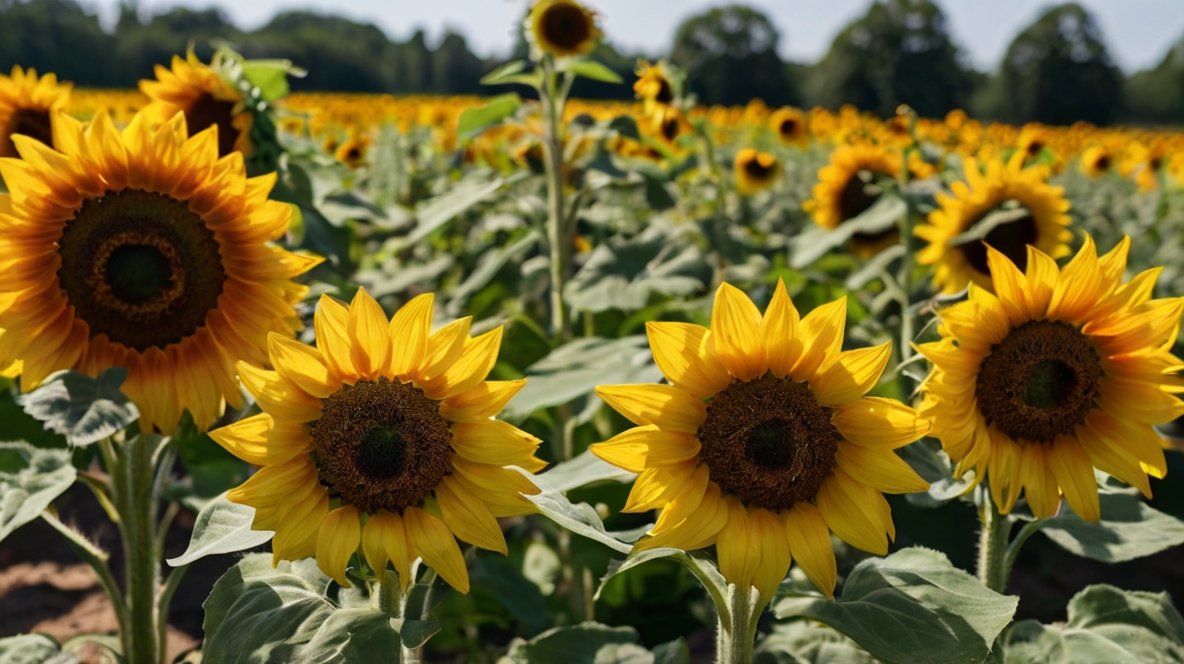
(847, 187)
(1056, 373)
(654, 87)
(381, 437)
(755, 171)
(142, 249)
(1042, 220)
(27, 105)
(1097, 161)
(763, 443)
(352, 151)
(204, 96)
(562, 28)
(791, 126)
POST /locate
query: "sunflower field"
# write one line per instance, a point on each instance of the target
(528, 378)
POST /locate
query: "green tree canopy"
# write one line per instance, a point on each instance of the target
(1157, 95)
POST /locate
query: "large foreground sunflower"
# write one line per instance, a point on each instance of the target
(1060, 371)
(847, 187)
(562, 28)
(142, 249)
(1040, 219)
(27, 104)
(764, 443)
(382, 436)
(205, 97)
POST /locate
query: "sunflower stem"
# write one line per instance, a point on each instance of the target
(738, 617)
(557, 227)
(1013, 549)
(993, 549)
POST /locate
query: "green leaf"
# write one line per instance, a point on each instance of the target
(352, 635)
(808, 642)
(875, 268)
(586, 468)
(270, 76)
(491, 263)
(257, 613)
(933, 464)
(1129, 529)
(30, 479)
(812, 243)
(586, 643)
(580, 519)
(627, 273)
(436, 212)
(697, 563)
(575, 369)
(512, 72)
(912, 607)
(221, 527)
(83, 409)
(475, 120)
(1008, 213)
(33, 649)
(1104, 604)
(593, 70)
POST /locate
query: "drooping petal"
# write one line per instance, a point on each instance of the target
(435, 543)
(645, 447)
(809, 542)
(340, 534)
(877, 422)
(469, 518)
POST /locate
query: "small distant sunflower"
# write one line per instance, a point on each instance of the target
(352, 151)
(654, 87)
(847, 187)
(755, 171)
(1042, 221)
(205, 97)
(562, 28)
(142, 249)
(1097, 161)
(27, 105)
(381, 437)
(667, 126)
(1056, 373)
(791, 126)
(763, 443)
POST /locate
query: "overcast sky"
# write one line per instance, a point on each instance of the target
(1137, 32)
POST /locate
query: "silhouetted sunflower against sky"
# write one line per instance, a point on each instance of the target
(764, 442)
(1061, 370)
(381, 437)
(562, 28)
(143, 249)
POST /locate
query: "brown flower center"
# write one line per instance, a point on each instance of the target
(857, 196)
(381, 445)
(758, 170)
(1040, 382)
(31, 122)
(768, 442)
(565, 26)
(140, 268)
(788, 128)
(1010, 239)
(207, 111)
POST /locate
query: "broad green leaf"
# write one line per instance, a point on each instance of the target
(672, 652)
(586, 643)
(586, 468)
(490, 265)
(30, 479)
(221, 527)
(257, 613)
(933, 464)
(497, 577)
(513, 72)
(1129, 529)
(575, 369)
(352, 635)
(1106, 605)
(1029, 642)
(875, 268)
(83, 409)
(270, 76)
(436, 212)
(808, 642)
(593, 70)
(697, 563)
(580, 519)
(812, 243)
(625, 125)
(1008, 213)
(33, 649)
(912, 607)
(475, 120)
(628, 273)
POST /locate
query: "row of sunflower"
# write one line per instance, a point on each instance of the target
(166, 251)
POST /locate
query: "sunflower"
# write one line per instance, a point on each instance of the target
(1056, 373)
(27, 104)
(764, 443)
(847, 187)
(791, 126)
(382, 436)
(755, 171)
(142, 249)
(562, 28)
(352, 152)
(654, 87)
(1097, 161)
(1040, 219)
(205, 97)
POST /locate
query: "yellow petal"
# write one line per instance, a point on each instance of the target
(299, 526)
(695, 531)
(371, 340)
(655, 487)
(473, 365)
(255, 440)
(409, 330)
(469, 518)
(338, 540)
(820, 338)
(444, 347)
(331, 323)
(680, 351)
(495, 443)
(277, 395)
(434, 542)
(852, 375)
(666, 406)
(645, 447)
(301, 364)
(770, 537)
(879, 422)
(779, 328)
(383, 539)
(1075, 476)
(879, 468)
(482, 402)
(809, 542)
(851, 510)
(738, 548)
(736, 333)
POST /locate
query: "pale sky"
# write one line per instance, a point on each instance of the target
(1137, 32)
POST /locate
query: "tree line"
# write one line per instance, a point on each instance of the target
(1056, 70)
